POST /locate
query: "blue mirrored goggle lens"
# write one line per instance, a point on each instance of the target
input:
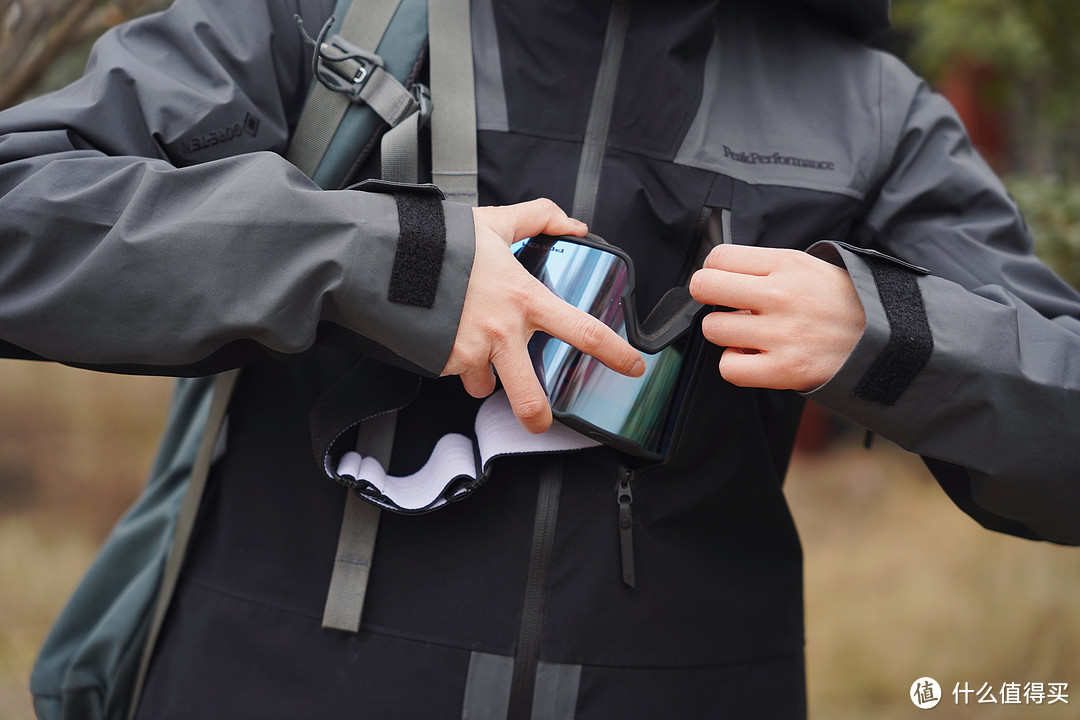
(633, 413)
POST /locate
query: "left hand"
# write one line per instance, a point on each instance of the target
(796, 319)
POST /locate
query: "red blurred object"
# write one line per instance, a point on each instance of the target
(964, 85)
(817, 429)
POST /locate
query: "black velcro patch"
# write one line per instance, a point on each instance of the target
(418, 260)
(910, 341)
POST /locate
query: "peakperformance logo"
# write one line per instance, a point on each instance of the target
(753, 158)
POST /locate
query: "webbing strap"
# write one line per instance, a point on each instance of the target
(364, 25)
(360, 519)
(356, 541)
(379, 90)
(185, 521)
(603, 100)
(453, 122)
(389, 98)
(400, 151)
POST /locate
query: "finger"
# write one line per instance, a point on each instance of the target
(748, 259)
(544, 216)
(586, 333)
(731, 289)
(736, 329)
(748, 369)
(535, 217)
(479, 382)
(523, 389)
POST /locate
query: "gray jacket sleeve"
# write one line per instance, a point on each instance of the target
(148, 222)
(971, 356)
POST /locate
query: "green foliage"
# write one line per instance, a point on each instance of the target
(1031, 50)
(1052, 210)
(986, 32)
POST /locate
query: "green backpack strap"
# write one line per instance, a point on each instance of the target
(356, 540)
(453, 129)
(453, 122)
(189, 508)
(360, 71)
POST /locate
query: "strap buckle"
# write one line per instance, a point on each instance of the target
(422, 95)
(345, 68)
(337, 64)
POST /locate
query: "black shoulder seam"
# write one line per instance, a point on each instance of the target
(910, 340)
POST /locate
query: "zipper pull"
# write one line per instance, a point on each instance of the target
(624, 493)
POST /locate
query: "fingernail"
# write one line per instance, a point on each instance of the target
(639, 367)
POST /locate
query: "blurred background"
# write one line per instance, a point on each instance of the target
(899, 583)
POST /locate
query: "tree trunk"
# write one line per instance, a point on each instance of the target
(34, 33)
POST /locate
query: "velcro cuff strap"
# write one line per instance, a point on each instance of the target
(910, 341)
(414, 279)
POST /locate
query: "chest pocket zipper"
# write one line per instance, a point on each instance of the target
(624, 493)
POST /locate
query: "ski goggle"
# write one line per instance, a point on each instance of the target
(635, 415)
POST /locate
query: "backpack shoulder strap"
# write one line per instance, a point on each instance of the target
(453, 129)
(453, 121)
(189, 508)
(360, 72)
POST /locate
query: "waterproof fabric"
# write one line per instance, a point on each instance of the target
(762, 110)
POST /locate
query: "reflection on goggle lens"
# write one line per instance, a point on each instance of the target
(633, 414)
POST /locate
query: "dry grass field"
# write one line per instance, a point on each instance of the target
(900, 584)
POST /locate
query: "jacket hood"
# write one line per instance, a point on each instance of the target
(861, 18)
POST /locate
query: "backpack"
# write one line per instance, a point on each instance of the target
(93, 662)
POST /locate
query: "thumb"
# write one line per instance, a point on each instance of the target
(523, 220)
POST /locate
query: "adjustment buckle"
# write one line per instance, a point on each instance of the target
(422, 95)
(345, 68)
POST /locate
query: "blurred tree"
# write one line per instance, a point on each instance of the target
(35, 33)
(1052, 210)
(1026, 53)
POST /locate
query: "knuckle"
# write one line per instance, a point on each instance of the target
(777, 295)
(717, 256)
(530, 409)
(546, 205)
(589, 336)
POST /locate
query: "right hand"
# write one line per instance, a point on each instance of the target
(505, 305)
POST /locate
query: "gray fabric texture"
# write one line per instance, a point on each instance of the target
(140, 236)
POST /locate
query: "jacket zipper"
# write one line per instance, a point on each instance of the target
(527, 655)
(624, 494)
(624, 490)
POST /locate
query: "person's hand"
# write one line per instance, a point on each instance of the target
(796, 318)
(504, 305)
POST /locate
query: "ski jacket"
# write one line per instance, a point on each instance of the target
(150, 224)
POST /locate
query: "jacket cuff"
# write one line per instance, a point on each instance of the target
(897, 343)
(428, 273)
